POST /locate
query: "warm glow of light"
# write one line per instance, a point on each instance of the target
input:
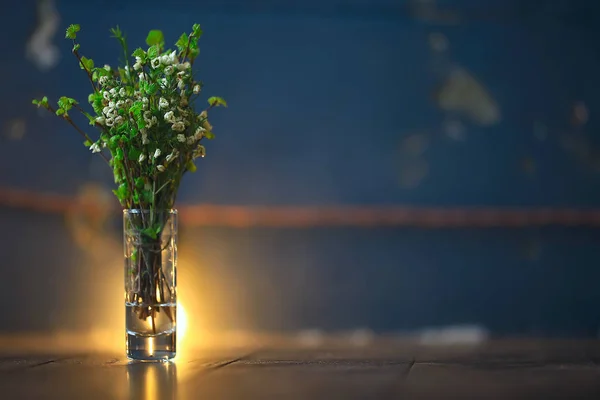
(151, 345)
(182, 323)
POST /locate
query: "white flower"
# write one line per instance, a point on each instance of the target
(180, 85)
(145, 138)
(129, 102)
(157, 153)
(122, 92)
(109, 122)
(199, 132)
(181, 74)
(119, 104)
(142, 76)
(106, 95)
(138, 60)
(118, 120)
(100, 120)
(155, 63)
(155, 120)
(107, 110)
(95, 148)
(171, 156)
(203, 114)
(184, 66)
(181, 137)
(163, 82)
(160, 167)
(168, 70)
(163, 103)
(103, 80)
(196, 89)
(178, 126)
(107, 67)
(191, 139)
(113, 91)
(169, 116)
(147, 114)
(142, 157)
(111, 104)
(137, 66)
(199, 152)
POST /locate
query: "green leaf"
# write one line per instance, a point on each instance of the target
(155, 37)
(72, 30)
(134, 256)
(182, 42)
(86, 63)
(209, 135)
(191, 166)
(66, 103)
(76, 47)
(196, 31)
(87, 143)
(150, 232)
(116, 32)
(43, 102)
(60, 112)
(153, 51)
(119, 154)
(139, 182)
(152, 88)
(139, 52)
(217, 101)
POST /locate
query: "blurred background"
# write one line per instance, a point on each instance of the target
(384, 166)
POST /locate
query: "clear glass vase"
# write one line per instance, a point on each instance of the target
(150, 241)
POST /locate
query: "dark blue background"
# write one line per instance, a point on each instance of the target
(321, 96)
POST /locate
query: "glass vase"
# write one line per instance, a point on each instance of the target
(150, 241)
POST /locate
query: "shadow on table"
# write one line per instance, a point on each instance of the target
(152, 380)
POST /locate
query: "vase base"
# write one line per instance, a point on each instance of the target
(151, 348)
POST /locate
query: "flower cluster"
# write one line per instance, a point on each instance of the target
(146, 117)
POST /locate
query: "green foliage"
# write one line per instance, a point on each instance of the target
(155, 38)
(149, 130)
(43, 102)
(71, 32)
(182, 42)
(153, 51)
(139, 52)
(86, 63)
(216, 101)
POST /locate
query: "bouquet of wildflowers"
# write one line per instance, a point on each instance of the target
(149, 134)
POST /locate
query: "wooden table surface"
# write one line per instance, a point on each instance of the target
(380, 369)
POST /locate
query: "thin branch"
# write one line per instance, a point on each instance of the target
(82, 133)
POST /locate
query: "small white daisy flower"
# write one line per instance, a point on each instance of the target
(160, 167)
(155, 63)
